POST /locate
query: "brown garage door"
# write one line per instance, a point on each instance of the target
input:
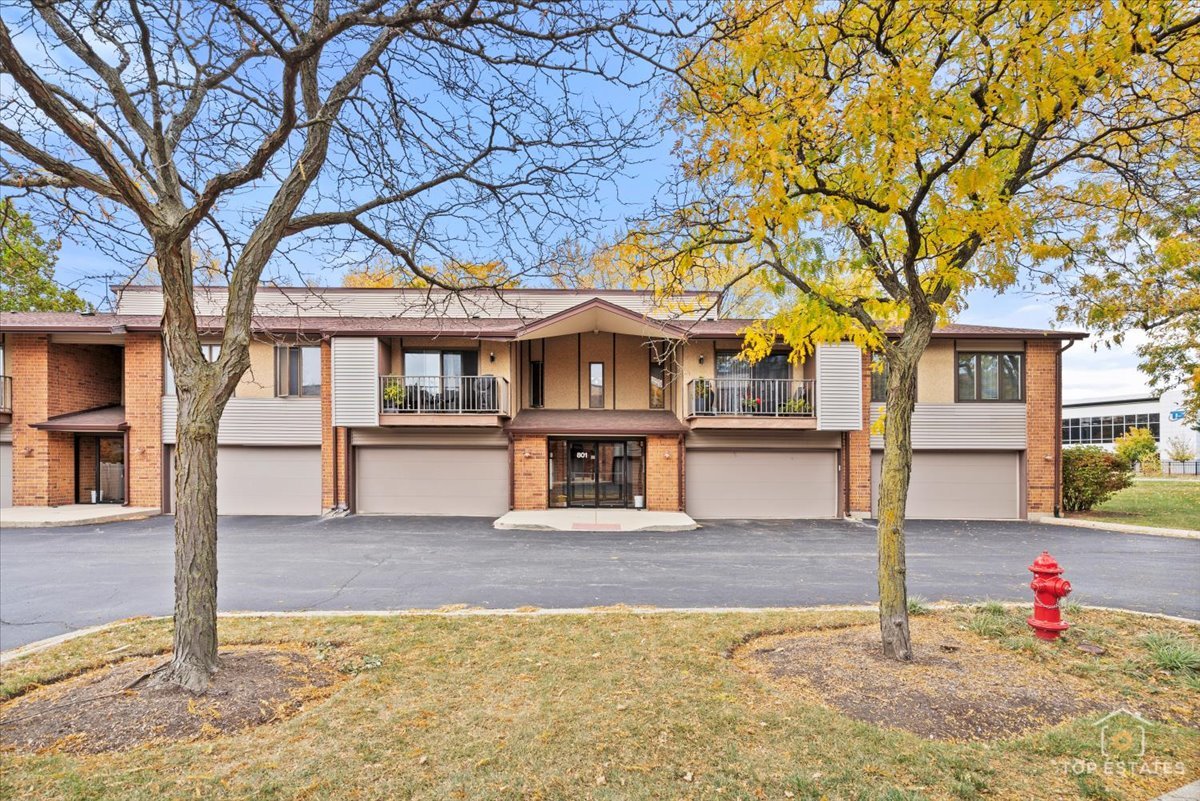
(472, 482)
(266, 481)
(761, 484)
(972, 485)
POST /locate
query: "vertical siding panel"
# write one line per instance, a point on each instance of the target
(355, 381)
(839, 387)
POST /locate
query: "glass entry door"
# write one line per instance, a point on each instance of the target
(599, 473)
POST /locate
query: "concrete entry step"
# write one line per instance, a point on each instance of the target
(595, 520)
(72, 514)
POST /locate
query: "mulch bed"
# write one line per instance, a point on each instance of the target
(93, 712)
(959, 686)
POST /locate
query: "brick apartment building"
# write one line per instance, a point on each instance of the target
(392, 401)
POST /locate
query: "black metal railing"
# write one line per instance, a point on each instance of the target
(752, 397)
(463, 394)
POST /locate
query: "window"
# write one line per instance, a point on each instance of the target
(297, 371)
(773, 366)
(658, 384)
(440, 363)
(210, 352)
(879, 378)
(1103, 429)
(990, 377)
(537, 384)
(596, 385)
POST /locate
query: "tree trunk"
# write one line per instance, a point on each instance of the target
(195, 476)
(902, 359)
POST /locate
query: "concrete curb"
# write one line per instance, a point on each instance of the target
(1121, 528)
(41, 645)
(1189, 792)
(97, 520)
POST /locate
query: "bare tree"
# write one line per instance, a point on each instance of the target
(305, 129)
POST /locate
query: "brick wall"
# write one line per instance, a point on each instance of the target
(50, 379)
(857, 460)
(335, 443)
(143, 412)
(1042, 427)
(663, 493)
(530, 472)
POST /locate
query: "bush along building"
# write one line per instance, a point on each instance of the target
(403, 402)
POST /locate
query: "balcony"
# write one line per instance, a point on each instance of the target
(752, 403)
(432, 400)
(5, 399)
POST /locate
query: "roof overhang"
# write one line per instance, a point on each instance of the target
(104, 420)
(595, 422)
(597, 315)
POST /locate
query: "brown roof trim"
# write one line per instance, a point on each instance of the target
(599, 422)
(542, 290)
(102, 419)
(600, 303)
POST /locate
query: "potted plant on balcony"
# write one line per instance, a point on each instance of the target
(795, 406)
(393, 397)
(702, 391)
(751, 405)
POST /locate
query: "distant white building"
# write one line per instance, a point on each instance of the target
(1098, 421)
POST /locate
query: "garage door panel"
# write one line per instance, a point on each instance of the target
(959, 486)
(762, 484)
(266, 481)
(5, 475)
(472, 482)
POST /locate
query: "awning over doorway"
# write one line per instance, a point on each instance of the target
(600, 422)
(106, 419)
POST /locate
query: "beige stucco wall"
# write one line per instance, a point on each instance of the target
(632, 373)
(935, 373)
(259, 379)
(562, 373)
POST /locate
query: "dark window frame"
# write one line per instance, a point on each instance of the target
(658, 363)
(977, 355)
(593, 401)
(732, 355)
(441, 353)
(537, 384)
(294, 356)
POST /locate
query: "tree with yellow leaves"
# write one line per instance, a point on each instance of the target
(453, 274)
(870, 161)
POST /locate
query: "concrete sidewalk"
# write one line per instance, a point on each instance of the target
(595, 520)
(72, 514)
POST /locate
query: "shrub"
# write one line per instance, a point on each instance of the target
(1136, 446)
(1090, 476)
(1178, 450)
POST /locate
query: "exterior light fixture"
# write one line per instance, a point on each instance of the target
(702, 358)
(492, 356)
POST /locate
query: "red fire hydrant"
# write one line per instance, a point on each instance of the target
(1048, 586)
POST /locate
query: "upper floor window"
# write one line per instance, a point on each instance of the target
(990, 377)
(210, 352)
(440, 363)
(596, 385)
(658, 384)
(774, 365)
(298, 371)
(537, 384)
(879, 378)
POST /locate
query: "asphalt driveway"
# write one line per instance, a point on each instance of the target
(57, 580)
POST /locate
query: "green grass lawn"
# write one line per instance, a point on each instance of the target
(609, 706)
(1166, 504)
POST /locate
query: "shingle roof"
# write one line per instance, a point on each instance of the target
(104, 418)
(595, 421)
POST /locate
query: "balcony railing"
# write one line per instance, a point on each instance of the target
(461, 394)
(5, 393)
(752, 397)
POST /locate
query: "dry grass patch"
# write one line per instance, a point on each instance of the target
(618, 706)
